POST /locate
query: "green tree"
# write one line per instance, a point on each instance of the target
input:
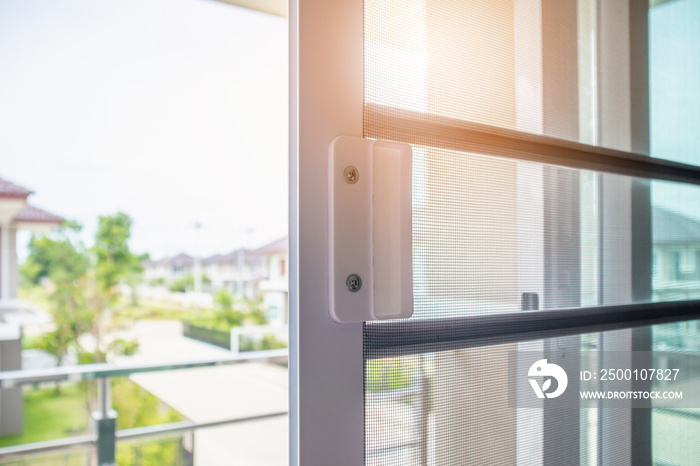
(83, 284)
(114, 263)
(60, 258)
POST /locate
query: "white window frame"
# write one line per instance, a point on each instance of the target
(326, 361)
(326, 358)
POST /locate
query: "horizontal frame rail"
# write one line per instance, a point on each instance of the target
(449, 133)
(399, 338)
(9, 379)
(125, 434)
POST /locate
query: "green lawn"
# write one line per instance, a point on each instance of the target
(124, 311)
(148, 310)
(49, 416)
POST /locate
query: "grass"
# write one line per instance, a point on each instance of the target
(147, 310)
(125, 311)
(138, 408)
(48, 415)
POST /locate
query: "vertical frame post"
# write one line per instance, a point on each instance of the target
(623, 83)
(326, 359)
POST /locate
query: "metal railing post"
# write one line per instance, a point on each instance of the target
(190, 457)
(105, 425)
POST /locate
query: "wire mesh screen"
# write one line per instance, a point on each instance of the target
(480, 61)
(496, 235)
(440, 408)
(456, 407)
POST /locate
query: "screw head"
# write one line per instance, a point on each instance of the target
(351, 174)
(353, 283)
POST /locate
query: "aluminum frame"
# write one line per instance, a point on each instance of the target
(326, 358)
(326, 363)
(408, 337)
(449, 133)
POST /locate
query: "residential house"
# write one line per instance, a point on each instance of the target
(676, 255)
(235, 272)
(15, 214)
(275, 287)
(261, 272)
(167, 270)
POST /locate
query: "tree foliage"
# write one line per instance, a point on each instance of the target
(234, 311)
(114, 261)
(58, 256)
(61, 258)
(82, 283)
(226, 316)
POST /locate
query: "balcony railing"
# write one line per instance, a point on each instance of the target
(103, 440)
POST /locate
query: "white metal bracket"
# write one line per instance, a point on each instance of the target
(370, 230)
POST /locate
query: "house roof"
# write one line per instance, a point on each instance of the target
(152, 262)
(11, 190)
(222, 258)
(212, 259)
(182, 260)
(30, 213)
(670, 227)
(280, 245)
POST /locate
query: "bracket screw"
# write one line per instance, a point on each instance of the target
(351, 174)
(353, 283)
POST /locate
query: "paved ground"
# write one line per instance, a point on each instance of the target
(212, 393)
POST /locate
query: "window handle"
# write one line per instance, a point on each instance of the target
(370, 230)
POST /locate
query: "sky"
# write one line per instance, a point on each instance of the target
(173, 111)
